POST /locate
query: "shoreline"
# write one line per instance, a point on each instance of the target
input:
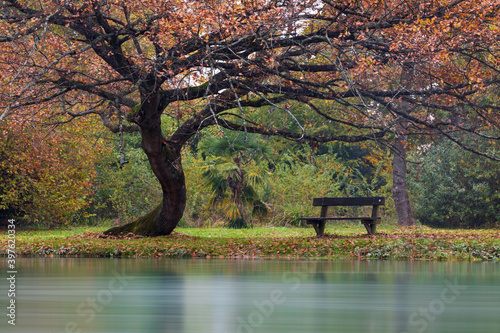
(340, 243)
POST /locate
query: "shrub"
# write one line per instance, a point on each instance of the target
(122, 194)
(457, 189)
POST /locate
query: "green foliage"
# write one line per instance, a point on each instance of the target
(234, 171)
(198, 195)
(233, 144)
(284, 180)
(301, 175)
(457, 189)
(294, 185)
(123, 194)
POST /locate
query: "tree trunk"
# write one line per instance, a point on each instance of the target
(165, 160)
(399, 165)
(399, 185)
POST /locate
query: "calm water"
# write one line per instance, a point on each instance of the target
(130, 295)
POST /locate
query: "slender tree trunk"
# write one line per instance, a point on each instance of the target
(399, 185)
(238, 193)
(399, 165)
(165, 160)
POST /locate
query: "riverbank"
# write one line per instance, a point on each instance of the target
(348, 242)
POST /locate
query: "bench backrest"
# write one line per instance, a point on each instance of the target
(362, 201)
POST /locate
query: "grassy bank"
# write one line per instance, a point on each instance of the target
(341, 242)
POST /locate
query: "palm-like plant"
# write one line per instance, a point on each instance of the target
(234, 170)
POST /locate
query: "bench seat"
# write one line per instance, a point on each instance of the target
(338, 218)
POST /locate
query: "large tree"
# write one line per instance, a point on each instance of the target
(215, 63)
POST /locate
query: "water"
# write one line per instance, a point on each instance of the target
(219, 296)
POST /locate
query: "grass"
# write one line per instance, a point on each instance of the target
(344, 241)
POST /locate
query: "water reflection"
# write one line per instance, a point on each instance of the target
(135, 295)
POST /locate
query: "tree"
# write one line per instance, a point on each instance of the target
(234, 171)
(47, 173)
(212, 63)
(457, 189)
(401, 198)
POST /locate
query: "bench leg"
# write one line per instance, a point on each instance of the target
(321, 227)
(315, 226)
(322, 223)
(371, 228)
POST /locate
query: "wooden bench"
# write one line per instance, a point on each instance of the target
(370, 222)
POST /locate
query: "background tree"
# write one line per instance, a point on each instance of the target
(400, 194)
(214, 63)
(47, 172)
(455, 188)
(234, 171)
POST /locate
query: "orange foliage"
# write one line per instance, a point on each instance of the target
(47, 173)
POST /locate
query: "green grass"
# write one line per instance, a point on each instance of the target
(343, 241)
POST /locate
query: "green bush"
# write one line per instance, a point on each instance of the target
(294, 184)
(122, 194)
(457, 189)
(234, 170)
